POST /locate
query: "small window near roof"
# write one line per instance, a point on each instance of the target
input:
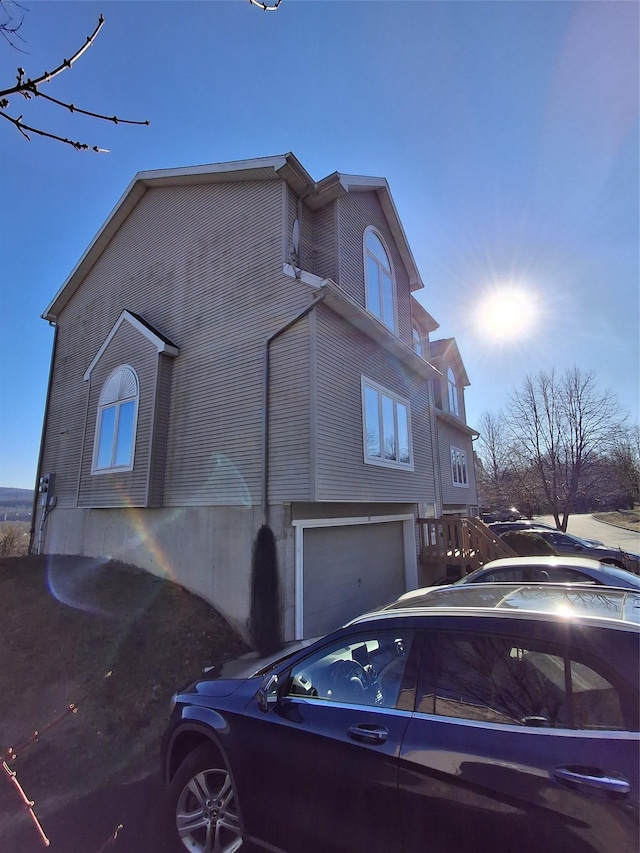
(378, 277)
(116, 422)
(453, 392)
(417, 341)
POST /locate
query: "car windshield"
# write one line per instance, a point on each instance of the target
(613, 573)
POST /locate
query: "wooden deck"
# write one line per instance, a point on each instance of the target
(453, 547)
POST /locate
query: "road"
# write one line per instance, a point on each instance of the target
(587, 527)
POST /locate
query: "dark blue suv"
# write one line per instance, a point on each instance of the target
(489, 717)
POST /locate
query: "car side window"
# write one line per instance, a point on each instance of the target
(367, 670)
(560, 575)
(511, 575)
(511, 681)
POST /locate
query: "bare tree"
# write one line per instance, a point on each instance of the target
(559, 425)
(493, 453)
(28, 88)
(13, 540)
(625, 461)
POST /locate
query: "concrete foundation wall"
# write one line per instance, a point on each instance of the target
(207, 550)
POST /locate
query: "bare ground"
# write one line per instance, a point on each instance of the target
(115, 643)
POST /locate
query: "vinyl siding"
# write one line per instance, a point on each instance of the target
(343, 355)
(126, 488)
(357, 211)
(448, 436)
(203, 265)
(305, 246)
(324, 242)
(159, 432)
(289, 415)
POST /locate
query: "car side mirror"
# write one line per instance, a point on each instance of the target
(267, 695)
(578, 547)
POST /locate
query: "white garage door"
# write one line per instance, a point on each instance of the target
(348, 570)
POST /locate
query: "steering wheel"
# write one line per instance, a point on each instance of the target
(347, 680)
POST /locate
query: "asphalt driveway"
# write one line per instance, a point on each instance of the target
(587, 527)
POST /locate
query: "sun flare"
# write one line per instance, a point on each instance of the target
(506, 314)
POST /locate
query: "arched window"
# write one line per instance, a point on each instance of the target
(417, 341)
(378, 276)
(116, 422)
(453, 392)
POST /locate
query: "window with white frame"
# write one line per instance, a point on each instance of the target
(417, 341)
(453, 392)
(378, 276)
(116, 422)
(386, 426)
(459, 467)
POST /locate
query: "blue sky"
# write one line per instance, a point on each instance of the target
(508, 133)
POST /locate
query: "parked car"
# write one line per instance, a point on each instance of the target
(552, 570)
(566, 544)
(505, 514)
(434, 723)
(500, 527)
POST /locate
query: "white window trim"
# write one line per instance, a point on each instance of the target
(416, 331)
(365, 253)
(453, 450)
(96, 438)
(452, 393)
(381, 462)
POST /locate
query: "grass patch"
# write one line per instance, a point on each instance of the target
(114, 641)
(629, 519)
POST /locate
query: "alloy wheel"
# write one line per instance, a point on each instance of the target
(207, 817)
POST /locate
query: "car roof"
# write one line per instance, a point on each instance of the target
(550, 601)
(551, 561)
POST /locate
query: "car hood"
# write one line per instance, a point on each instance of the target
(251, 663)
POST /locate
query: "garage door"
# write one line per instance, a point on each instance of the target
(348, 570)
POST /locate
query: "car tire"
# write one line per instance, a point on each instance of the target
(201, 811)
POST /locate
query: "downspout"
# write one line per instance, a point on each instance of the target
(45, 420)
(265, 408)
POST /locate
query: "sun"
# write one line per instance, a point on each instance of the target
(507, 313)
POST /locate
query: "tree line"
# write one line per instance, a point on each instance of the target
(560, 445)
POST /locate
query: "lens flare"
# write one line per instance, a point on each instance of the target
(507, 313)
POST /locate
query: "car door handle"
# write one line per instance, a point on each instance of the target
(368, 733)
(589, 780)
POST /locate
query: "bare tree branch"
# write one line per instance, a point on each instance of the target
(28, 88)
(9, 27)
(266, 7)
(79, 146)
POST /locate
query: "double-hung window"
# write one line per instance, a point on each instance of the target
(116, 422)
(459, 467)
(378, 276)
(386, 426)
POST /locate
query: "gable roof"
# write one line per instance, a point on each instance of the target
(280, 167)
(446, 350)
(422, 317)
(161, 343)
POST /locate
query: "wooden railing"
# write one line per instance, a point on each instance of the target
(454, 546)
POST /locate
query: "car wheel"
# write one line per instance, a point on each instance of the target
(512, 518)
(203, 807)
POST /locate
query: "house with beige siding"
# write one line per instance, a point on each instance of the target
(239, 346)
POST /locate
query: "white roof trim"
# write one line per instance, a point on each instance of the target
(161, 345)
(274, 163)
